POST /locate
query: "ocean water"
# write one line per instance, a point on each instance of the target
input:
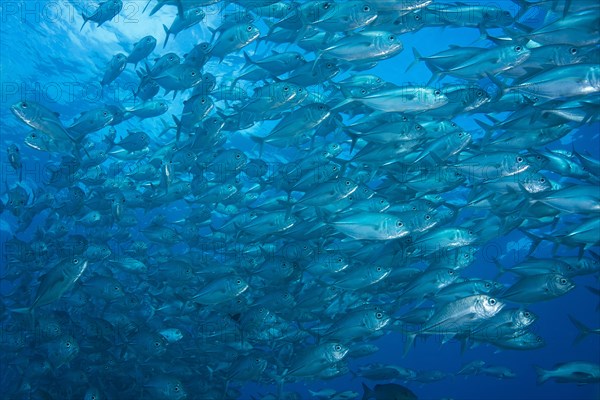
(48, 58)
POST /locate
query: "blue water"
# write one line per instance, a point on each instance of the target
(45, 58)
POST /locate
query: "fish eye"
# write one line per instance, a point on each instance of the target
(156, 344)
(176, 388)
(542, 180)
(519, 159)
(460, 134)
(249, 28)
(347, 183)
(229, 187)
(391, 38)
(453, 124)
(399, 224)
(378, 269)
(563, 281)
(285, 89)
(338, 347)
(329, 65)
(527, 314)
(238, 156)
(105, 113)
(418, 127)
(203, 100)
(68, 344)
(379, 315)
(326, 6)
(427, 217)
(539, 339)
(238, 282)
(518, 48)
(193, 73)
(117, 288)
(479, 93)
(470, 232)
(366, 8)
(437, 92)
(382, 201)
(340, 259)
(417, 17)
(23, 105)
(450, 272)
(573, 50)
(171, 58)
(363, 91)
(487, 285)
(493, 301)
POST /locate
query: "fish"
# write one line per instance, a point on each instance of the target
(309, 200)
(388, 391)
(58, 280)
(234, 39)
(579, 372)
(106, 11)
(189, 18)
(535, 288)
(142, 49)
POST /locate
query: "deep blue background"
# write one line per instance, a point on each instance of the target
(44, 57)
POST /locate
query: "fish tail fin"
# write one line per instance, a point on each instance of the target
(156, 8)
(501, 85)
(353, 140)
(417, 57)
(583, 330)
(536, 240)
(147, 4)
(178, 123)
(410, 341)
(542, 374)
(367, 392)
(167, 37)
(342, 103)
(248, 60)
(85, 20)
(261, 144)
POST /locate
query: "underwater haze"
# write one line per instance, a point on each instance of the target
(254, 199)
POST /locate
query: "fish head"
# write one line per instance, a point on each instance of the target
(518, 54)
(27, 111)
(195, 14)
(446, 276)
(246, 33)
(209, 81)
(363, 13)
(560, 284)
(524, 318)
(334, 352)
(148, 41)
(191, 76)
(170, 59)
(236, 285)
(375, 320)
(490, 306)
